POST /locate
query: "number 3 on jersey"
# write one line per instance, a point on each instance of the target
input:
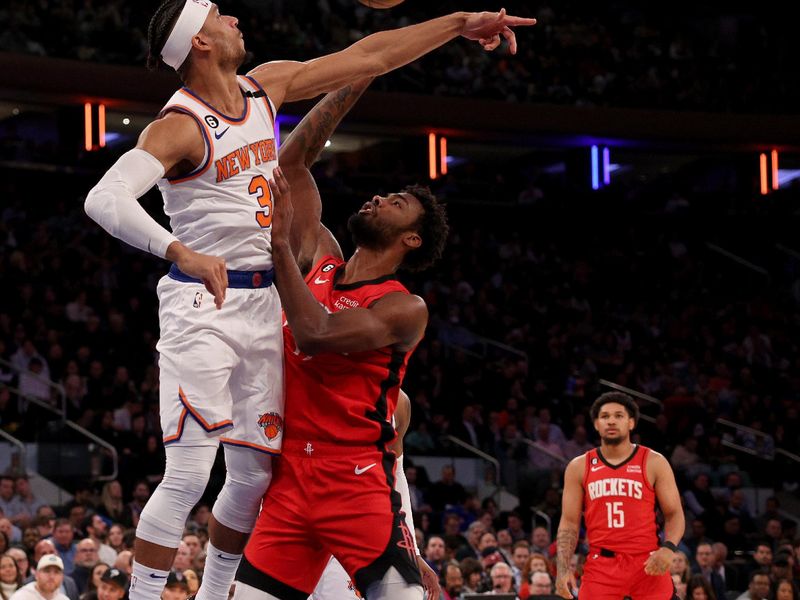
(616, 517)
(258, 185)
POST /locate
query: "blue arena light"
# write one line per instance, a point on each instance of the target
(606, 166)
(595, 169)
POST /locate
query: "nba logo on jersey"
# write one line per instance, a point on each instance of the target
(198, 299)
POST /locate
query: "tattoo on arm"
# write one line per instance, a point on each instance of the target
(325, 116)
(565, 542)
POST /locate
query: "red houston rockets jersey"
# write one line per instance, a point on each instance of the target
(350, 398)
(619, 503)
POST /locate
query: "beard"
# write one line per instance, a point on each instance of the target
(613, 441)
(368, 234)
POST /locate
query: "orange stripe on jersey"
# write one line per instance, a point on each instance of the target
(206, 139)
(231, 120)
(199, 418)
(249, 445)
(179, 433)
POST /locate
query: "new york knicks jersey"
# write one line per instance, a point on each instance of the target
(619, 503)
(224, 206)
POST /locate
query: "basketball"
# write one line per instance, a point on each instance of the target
(381, 4)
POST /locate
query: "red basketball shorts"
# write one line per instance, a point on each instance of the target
(621, 575)
(325, 500)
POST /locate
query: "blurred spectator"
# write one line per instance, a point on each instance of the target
(453, 582)
(10, 576)
(49, 577)
(63, 540)
(704, 555)
(502, 579)
(699, 588)
(446, 491)
(758, 587)
(434, 554)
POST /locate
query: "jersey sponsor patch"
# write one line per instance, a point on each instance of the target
(211, 121)
(328, 267)
(271, 423)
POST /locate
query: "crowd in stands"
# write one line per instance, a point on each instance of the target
(694, 57)
(638, 303)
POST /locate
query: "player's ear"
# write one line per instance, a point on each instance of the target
(412, 240)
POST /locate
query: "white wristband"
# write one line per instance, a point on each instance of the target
(113, 203)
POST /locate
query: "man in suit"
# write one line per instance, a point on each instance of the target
(705, 567)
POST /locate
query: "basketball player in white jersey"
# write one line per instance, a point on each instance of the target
(211, 150)
(335, 583)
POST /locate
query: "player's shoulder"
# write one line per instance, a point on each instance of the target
(577, 465)
(172, 130)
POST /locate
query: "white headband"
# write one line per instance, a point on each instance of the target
(189, 23)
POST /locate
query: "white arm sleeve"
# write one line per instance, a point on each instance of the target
(401, 485)
(113, 203)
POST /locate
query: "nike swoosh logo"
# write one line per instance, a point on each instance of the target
(154, 576)
(319, 281)
(359, 471)
(597, 468)
(231, 558)
(220, 133)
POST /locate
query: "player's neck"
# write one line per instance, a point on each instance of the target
(616, 453)
(218, 88)
(367, 264)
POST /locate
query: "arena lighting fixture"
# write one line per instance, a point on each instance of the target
(328, 144)
(432, 173)
(87, 126)
(443, 155)
(126, 121)
(775, 179)
(762, 163)
(595, 169)
(606, 166)
(101, 125)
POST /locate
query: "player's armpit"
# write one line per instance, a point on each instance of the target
(173, 139)
(397, 319)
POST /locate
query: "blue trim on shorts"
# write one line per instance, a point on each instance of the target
(236, 279)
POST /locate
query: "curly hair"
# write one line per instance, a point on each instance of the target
(432, 228)
(630, 405)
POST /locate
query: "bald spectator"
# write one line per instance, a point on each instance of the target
(47, 585)
(729, 574)
(502, 579)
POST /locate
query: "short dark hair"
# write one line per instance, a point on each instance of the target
(756, 573)
(619, 398)
(158, 31)
(432, 228)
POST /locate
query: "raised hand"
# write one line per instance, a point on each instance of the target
(281, 205)
(488, 27)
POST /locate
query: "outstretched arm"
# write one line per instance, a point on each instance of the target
(310, 240)
(382, 52)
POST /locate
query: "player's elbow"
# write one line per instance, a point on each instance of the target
(309, 343)
(96, 205)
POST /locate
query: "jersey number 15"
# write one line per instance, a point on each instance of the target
(616, 518)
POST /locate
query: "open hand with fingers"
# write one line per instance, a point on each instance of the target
(488, 27)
